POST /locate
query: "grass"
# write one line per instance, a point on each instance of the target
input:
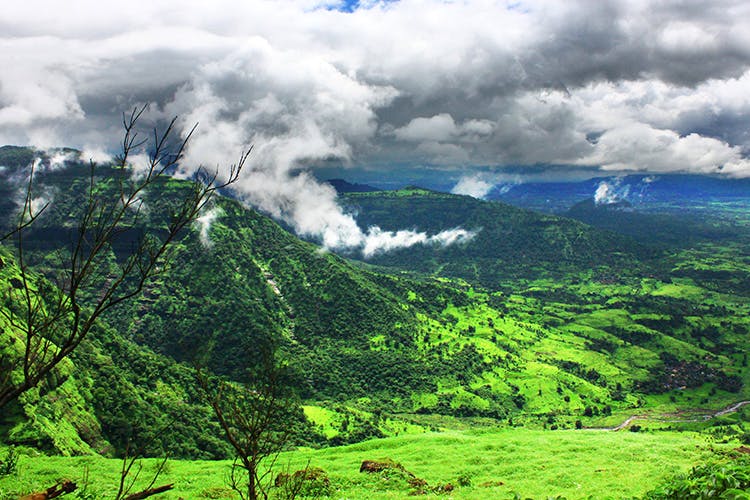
(490, 463)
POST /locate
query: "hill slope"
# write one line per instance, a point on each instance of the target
(509, 243)
(379, 353)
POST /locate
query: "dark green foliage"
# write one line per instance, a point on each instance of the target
(464, 479)
(16, 156)
(510, 242)
(9, 462)
(676, 373)
(141, 397)
(581, 371)
(401, 342)
(223, 299)
(311, 482)
(718, 480)
(675, 229)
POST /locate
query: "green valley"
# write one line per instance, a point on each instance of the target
(497, 365)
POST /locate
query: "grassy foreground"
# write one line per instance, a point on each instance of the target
(497, 464)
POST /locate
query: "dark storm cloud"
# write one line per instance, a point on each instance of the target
(662, 85)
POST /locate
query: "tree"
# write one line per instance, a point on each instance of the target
(255, 418)
(48, 319)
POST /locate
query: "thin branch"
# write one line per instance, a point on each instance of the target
(53, 329)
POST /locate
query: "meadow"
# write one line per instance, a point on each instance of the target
(478, 464)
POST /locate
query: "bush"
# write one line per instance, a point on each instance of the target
(9, 463)
(310, 482)
(464, 479)
(719, 480)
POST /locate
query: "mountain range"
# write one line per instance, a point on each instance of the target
(538, 320)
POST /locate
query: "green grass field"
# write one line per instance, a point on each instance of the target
(489, 464)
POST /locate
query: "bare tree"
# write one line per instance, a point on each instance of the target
(254, 417)
(51, 321)
(129, 475)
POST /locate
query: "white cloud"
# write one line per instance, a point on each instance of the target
(654, 86)
(204, 223)
(377, 241)
(473, 185)
(610, 192)
(643, 148)
(436, 128)
(95, 154)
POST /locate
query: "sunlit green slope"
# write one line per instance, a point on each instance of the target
(380, 354)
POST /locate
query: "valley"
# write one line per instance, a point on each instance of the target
(493, 364)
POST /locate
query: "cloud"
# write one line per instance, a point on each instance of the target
(204, 223)
(611, 192)
(453, 236)
(473, 185)
(614, 85)
(640, 147)
(377, 241)
(435, 129)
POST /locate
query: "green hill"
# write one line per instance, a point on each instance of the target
(658, 227)
(510, 242)
(383, 354)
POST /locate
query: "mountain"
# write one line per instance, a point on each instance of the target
(533, 322)
(509, 243)
(342, 186)
(668, 228)
(669, 191)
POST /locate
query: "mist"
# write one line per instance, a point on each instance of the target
(612, 86)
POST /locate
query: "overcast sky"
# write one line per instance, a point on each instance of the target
(613, 85)
(657, 86)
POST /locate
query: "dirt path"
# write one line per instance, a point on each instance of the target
(672, 417)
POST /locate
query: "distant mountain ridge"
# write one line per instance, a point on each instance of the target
(509, 241)
(638, 189)
(342, 186)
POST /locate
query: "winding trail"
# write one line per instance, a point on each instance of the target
(673, 417)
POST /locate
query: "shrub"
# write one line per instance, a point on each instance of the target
(718, 480)
(464, 479)
(9, 463)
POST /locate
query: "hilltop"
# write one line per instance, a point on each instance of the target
(510, 242)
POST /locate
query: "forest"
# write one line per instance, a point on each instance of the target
(572, 348)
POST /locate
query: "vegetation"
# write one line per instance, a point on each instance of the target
(48, 322)
(510, 242)
(715, 480)
(498, 464)
(513, 351)
(253, 417)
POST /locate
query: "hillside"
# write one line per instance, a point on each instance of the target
(674, 192)
(510, 243)
(662, 228)
(384, 354)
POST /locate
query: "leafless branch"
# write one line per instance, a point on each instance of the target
(249, 416)
(52, 323)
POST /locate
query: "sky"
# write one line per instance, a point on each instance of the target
(607, 86)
